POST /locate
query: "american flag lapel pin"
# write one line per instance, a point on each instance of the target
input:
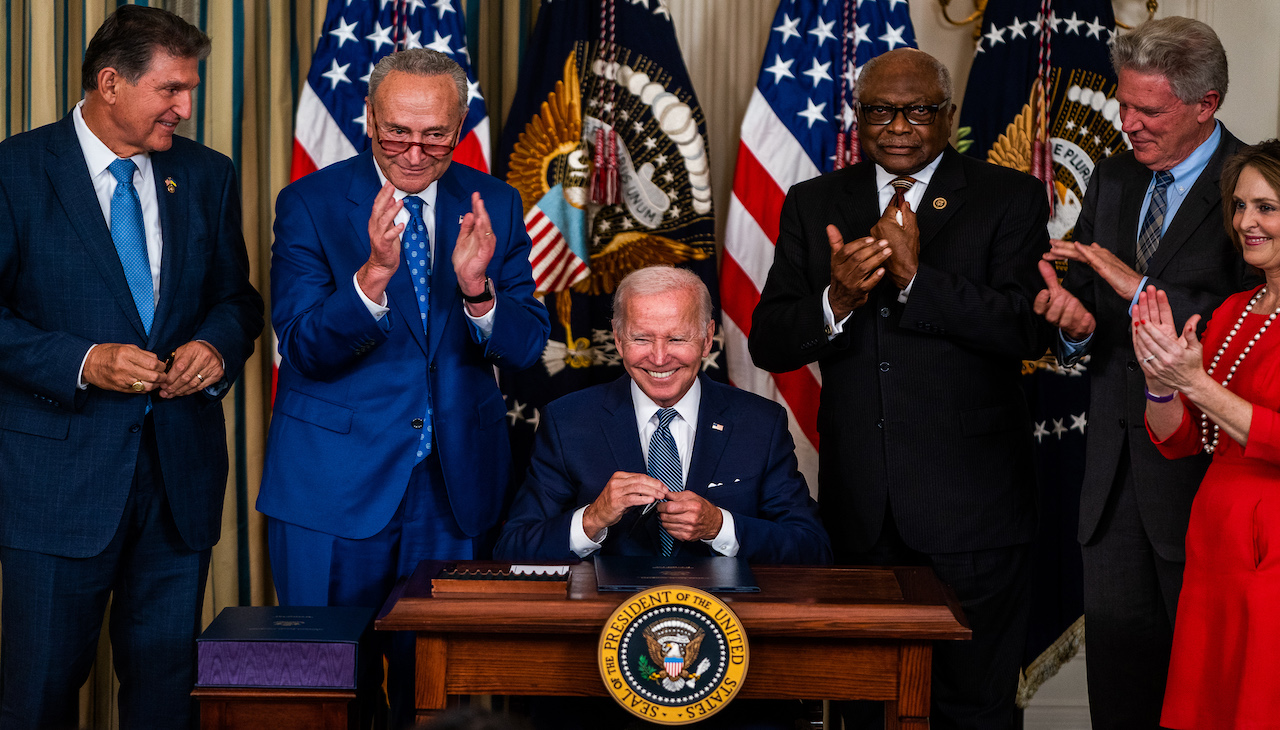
(170, 185)
(717, 427)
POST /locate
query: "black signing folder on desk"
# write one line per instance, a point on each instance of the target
(711, 574)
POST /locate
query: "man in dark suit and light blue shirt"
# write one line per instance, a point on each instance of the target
(1151, 217)
(398, 280)
(718, 462)
(120, 243)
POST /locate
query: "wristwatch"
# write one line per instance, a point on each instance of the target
(480, 298)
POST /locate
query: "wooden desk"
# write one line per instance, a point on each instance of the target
(814, 633)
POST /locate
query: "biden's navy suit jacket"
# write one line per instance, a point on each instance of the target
(743, 462)
(67, 456)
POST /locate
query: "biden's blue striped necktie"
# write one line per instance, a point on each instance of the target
(417, 256)
(130, 237)
(664, 465)
(1153, 221)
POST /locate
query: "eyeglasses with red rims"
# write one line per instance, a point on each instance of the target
(440, 144)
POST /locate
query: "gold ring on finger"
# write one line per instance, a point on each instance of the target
(200, 377)
(137, 386)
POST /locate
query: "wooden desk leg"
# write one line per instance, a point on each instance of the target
(911, 711)
(432, 659)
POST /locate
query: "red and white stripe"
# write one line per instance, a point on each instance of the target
(555, 266)
(770, 161)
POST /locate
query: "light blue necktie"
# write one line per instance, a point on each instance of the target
(664, 465)
(131, 240)
(417, 256)
(1153, 221)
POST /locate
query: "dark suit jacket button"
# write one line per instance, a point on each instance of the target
(417, 423)
(884, 367)
(135, 428)
(884, 311)
(880, 423)
(1132, 365)
(431, 368)
(1122, 423)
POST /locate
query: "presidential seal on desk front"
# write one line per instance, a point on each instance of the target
(673, 655)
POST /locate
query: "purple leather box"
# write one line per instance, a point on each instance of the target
(273, 646)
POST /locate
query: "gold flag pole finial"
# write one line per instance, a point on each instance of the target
(1152, 7)
(980, 6)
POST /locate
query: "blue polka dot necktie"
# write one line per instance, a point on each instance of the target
(417, 257)
(131, 240)
(664, 465)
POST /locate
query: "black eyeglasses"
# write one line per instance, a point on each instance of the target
(399, 147)
(916, 114)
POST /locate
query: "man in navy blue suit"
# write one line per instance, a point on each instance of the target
(126, 313)
(721, 458)
(398, 281)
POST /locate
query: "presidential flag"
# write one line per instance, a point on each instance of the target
(606, 143)
(801, 102)
(1041, 99)
(331, 121)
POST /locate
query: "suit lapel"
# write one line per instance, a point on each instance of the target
(946, 189)
(69, 176)
(452, 202)
(619, 427)
(856, 219)
(621, 433)
(400, 297)
(1203, 200)
(174, 231)
(709, 442)
(1133, 189)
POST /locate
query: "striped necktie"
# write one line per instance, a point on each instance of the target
(900, 187)
(1153, 221)
(664, 465)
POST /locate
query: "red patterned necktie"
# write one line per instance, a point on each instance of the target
(900, 187)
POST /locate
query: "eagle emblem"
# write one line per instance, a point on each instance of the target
(673, 645)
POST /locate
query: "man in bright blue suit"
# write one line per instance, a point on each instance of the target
(398, 282)
(721, 458)
(126, 313)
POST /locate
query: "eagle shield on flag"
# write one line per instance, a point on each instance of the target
(588, 103)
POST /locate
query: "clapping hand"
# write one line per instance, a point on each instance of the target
(1169, 360)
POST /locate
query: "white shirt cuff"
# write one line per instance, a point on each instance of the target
(82, 385)
(902, 295)
(830, 325)
(726, 541)
(377, 310)
(484, 322)
(579, 543)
